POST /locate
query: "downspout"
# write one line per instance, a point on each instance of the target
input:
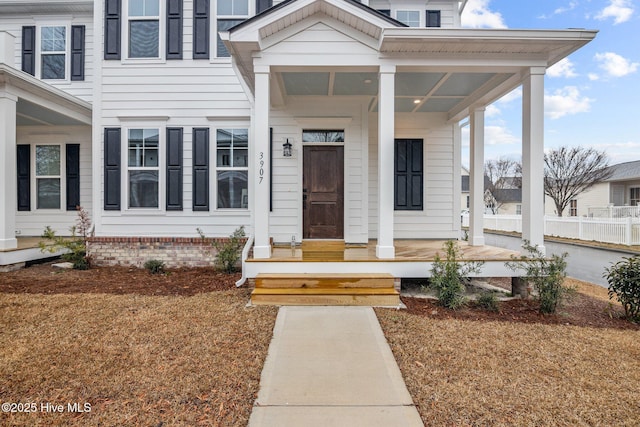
(245, 255)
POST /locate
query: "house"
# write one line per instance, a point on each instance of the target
(302, 120)
(620, 190)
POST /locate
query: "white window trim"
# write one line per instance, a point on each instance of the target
(161, 59)
(214, 28)
(34, 178)
(53, 22)
(213, 161)
(162, 165)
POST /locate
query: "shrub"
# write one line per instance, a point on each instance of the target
(155, 266)
(449, 276)
(488, 301)
(76, 244)
(545, 274)
(229, 252)
(624, 283)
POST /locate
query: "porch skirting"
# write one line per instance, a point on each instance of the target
(135, 251)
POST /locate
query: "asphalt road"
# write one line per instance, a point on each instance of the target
(583, 263)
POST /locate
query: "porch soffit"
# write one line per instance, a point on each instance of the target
(42, 104)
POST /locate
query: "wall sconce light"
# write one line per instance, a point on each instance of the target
(286, 148)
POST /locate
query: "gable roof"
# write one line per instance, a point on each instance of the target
(624, 171)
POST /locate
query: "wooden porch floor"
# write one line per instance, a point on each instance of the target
(406, 251)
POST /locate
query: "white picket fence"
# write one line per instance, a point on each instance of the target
(625, 231)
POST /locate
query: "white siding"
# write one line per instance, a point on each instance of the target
(449, 16)
(13, 24)
(437, 220)
(596, 196)
(33, 223)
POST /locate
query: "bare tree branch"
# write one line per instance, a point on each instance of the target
(501, 174)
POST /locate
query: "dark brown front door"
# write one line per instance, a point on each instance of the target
(323, 192)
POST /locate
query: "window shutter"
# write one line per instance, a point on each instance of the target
(24, 177)
(77, 52)
(174, 169)
(112, 169)
(73, 176)
(433, 18)
(29, 50)
(262, 5)
(112, 12)
(201, 29)
(174, 29)
(200, 169)
(408, 172)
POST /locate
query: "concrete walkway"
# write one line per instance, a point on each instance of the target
(331, 366)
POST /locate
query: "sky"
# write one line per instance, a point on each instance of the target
(592, 97)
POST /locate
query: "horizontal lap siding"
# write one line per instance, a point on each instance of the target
(33, 223)
(436, 220)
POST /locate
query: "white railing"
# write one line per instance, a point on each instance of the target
(614, 212)
(625, 231)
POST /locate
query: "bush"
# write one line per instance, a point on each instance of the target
(545, 274)
(449, 277)
(155, 266)
(488, 301)
(229, 252)
(76, 244)
(624, 283)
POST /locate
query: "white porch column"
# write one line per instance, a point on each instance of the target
(262, 246)
(8, 183)
(476, 179)
(386, 134)
(533, 157)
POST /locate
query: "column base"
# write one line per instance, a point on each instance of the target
(385, 252)
(476, 240)
(8, 243)
(262, 252)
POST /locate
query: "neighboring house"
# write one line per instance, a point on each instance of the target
(622, 188)
(465, 198)
(162, 117)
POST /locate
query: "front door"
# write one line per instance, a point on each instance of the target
(323, 192)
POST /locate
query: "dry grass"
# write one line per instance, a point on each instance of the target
(470, 373)
(138, 360)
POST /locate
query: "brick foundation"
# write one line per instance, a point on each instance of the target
(135, 251)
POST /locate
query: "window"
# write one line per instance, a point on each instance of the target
(322, 136)
(409, 17)
(48, 176)
(634, 196)
(144, 28)
(573, 208)
(230, 13)
(518, 209)
(408, 175)
(143, 167)
(53, 52)
(432, 18)
(232, 161)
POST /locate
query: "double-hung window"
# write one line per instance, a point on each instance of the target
(409, 17)
(229, 14)
(573, 207)
(144, 28)
(48, 176)
(53, 52)
(232, 161)
(143, 168)
(634, 196)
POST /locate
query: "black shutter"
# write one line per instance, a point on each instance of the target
(385, 11)
(29, 50)
(24, 177)
(77, 52)
(201, 29)
(174, 29)
(73, 176)
(433, 18)
(112, 169)
(262, 5)
(408, 174)
(174, 169)
(112, 12)
(200, 169)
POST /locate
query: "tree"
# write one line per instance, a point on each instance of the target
(501, 175)
(569, 172)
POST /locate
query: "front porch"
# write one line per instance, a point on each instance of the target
(332, 273)
(27, 250)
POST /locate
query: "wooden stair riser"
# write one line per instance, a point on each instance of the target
(326, 281)
(354, 300)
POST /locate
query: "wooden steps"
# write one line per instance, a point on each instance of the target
(325, 289)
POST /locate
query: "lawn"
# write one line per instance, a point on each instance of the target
(134, 359)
